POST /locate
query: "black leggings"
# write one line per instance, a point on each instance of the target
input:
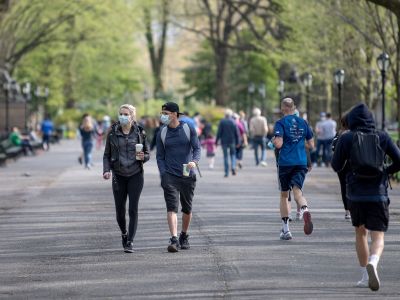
(122, 187)
(342, 180)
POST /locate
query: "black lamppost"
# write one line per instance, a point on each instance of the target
(339, 79)
(251, 89)
(307, 81)
(7, 88)
(262, 92)
(26, 90)
(383, 61)
(281, 89)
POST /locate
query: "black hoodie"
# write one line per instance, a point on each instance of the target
(361, 119)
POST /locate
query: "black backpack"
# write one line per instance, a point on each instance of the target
(366, 156)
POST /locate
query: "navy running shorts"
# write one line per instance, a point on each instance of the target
(373, 215)
(290, 176)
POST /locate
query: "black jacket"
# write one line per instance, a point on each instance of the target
(120, 150)
(361, 119)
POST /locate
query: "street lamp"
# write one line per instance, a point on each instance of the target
(307, 81)
(26, 90)
(7, 88)
(251, 89)
(339, 79)
(262, 92)
(281, 88)
(383, 62)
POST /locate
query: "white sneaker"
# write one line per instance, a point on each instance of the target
(264, 163)
(347, 217)
(285, 236)
(299, 216)
(373, 281)
(363, 283)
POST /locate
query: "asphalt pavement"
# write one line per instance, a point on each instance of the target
(59, 238)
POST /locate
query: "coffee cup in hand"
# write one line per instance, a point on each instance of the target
(139, 148)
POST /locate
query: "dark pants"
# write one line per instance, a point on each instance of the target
(122, 187)
(259, 141)
(87, 152)
(342, 180)
(46, 141)
(326, 146)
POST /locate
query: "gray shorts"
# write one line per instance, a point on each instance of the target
(178, 188)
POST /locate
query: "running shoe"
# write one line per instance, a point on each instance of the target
(347, 216)
(299, 216)
(308, 225)
(129, 247)
(184, 241)
(363, 283)
(373, 281)
(264, 163)
(173, 244)
(285, 236)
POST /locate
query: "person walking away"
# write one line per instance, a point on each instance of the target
(47, 129)
(228, 135)
(242, 140)
(87, 132)
(258, 131)
(365, 148)
(342, 174)
(99, 135)
(178, 153)
(329, 132)
(209, 144)
(291, 135)
(125, 152)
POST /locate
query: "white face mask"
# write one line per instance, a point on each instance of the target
(123, 120)
(165, 119)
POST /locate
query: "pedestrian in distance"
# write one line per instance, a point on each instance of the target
(87, 131)
(209, 144)
(47, 129)
(228, 136)
(178, 153)
(364, 148)
(342, 174)
(242, 140)
(258, 131)
(125, 152)
(291, 135)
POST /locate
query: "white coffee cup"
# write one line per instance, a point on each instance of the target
(186, 171)
(139, 148)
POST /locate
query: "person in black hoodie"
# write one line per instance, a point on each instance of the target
(368, 198)
(126, 164)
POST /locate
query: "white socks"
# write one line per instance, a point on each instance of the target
(285, 226)
(374, 259)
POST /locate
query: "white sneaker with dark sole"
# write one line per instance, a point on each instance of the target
(363, 283)
(373, 281)
(285, 236)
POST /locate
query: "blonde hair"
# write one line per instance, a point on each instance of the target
(87, 123)
(287, 105)
(131, 108)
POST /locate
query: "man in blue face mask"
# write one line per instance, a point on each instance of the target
(178, 153)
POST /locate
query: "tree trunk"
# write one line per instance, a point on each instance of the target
(221, 93)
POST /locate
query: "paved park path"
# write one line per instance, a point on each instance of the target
(59, 238)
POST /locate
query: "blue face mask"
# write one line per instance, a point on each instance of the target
(165, 119)
(123, 120)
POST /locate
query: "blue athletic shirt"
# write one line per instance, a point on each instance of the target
(294, 132)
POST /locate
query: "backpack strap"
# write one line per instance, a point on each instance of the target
(164, 130)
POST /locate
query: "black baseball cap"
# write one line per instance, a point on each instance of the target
(172, 107)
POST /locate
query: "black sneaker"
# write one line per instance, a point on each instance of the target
(124, 240)
(129, 247)
(184, 241)
(233, 172)
(173, 244)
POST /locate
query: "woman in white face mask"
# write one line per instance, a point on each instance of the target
(125, 152)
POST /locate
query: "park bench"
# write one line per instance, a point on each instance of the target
(11, 151)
